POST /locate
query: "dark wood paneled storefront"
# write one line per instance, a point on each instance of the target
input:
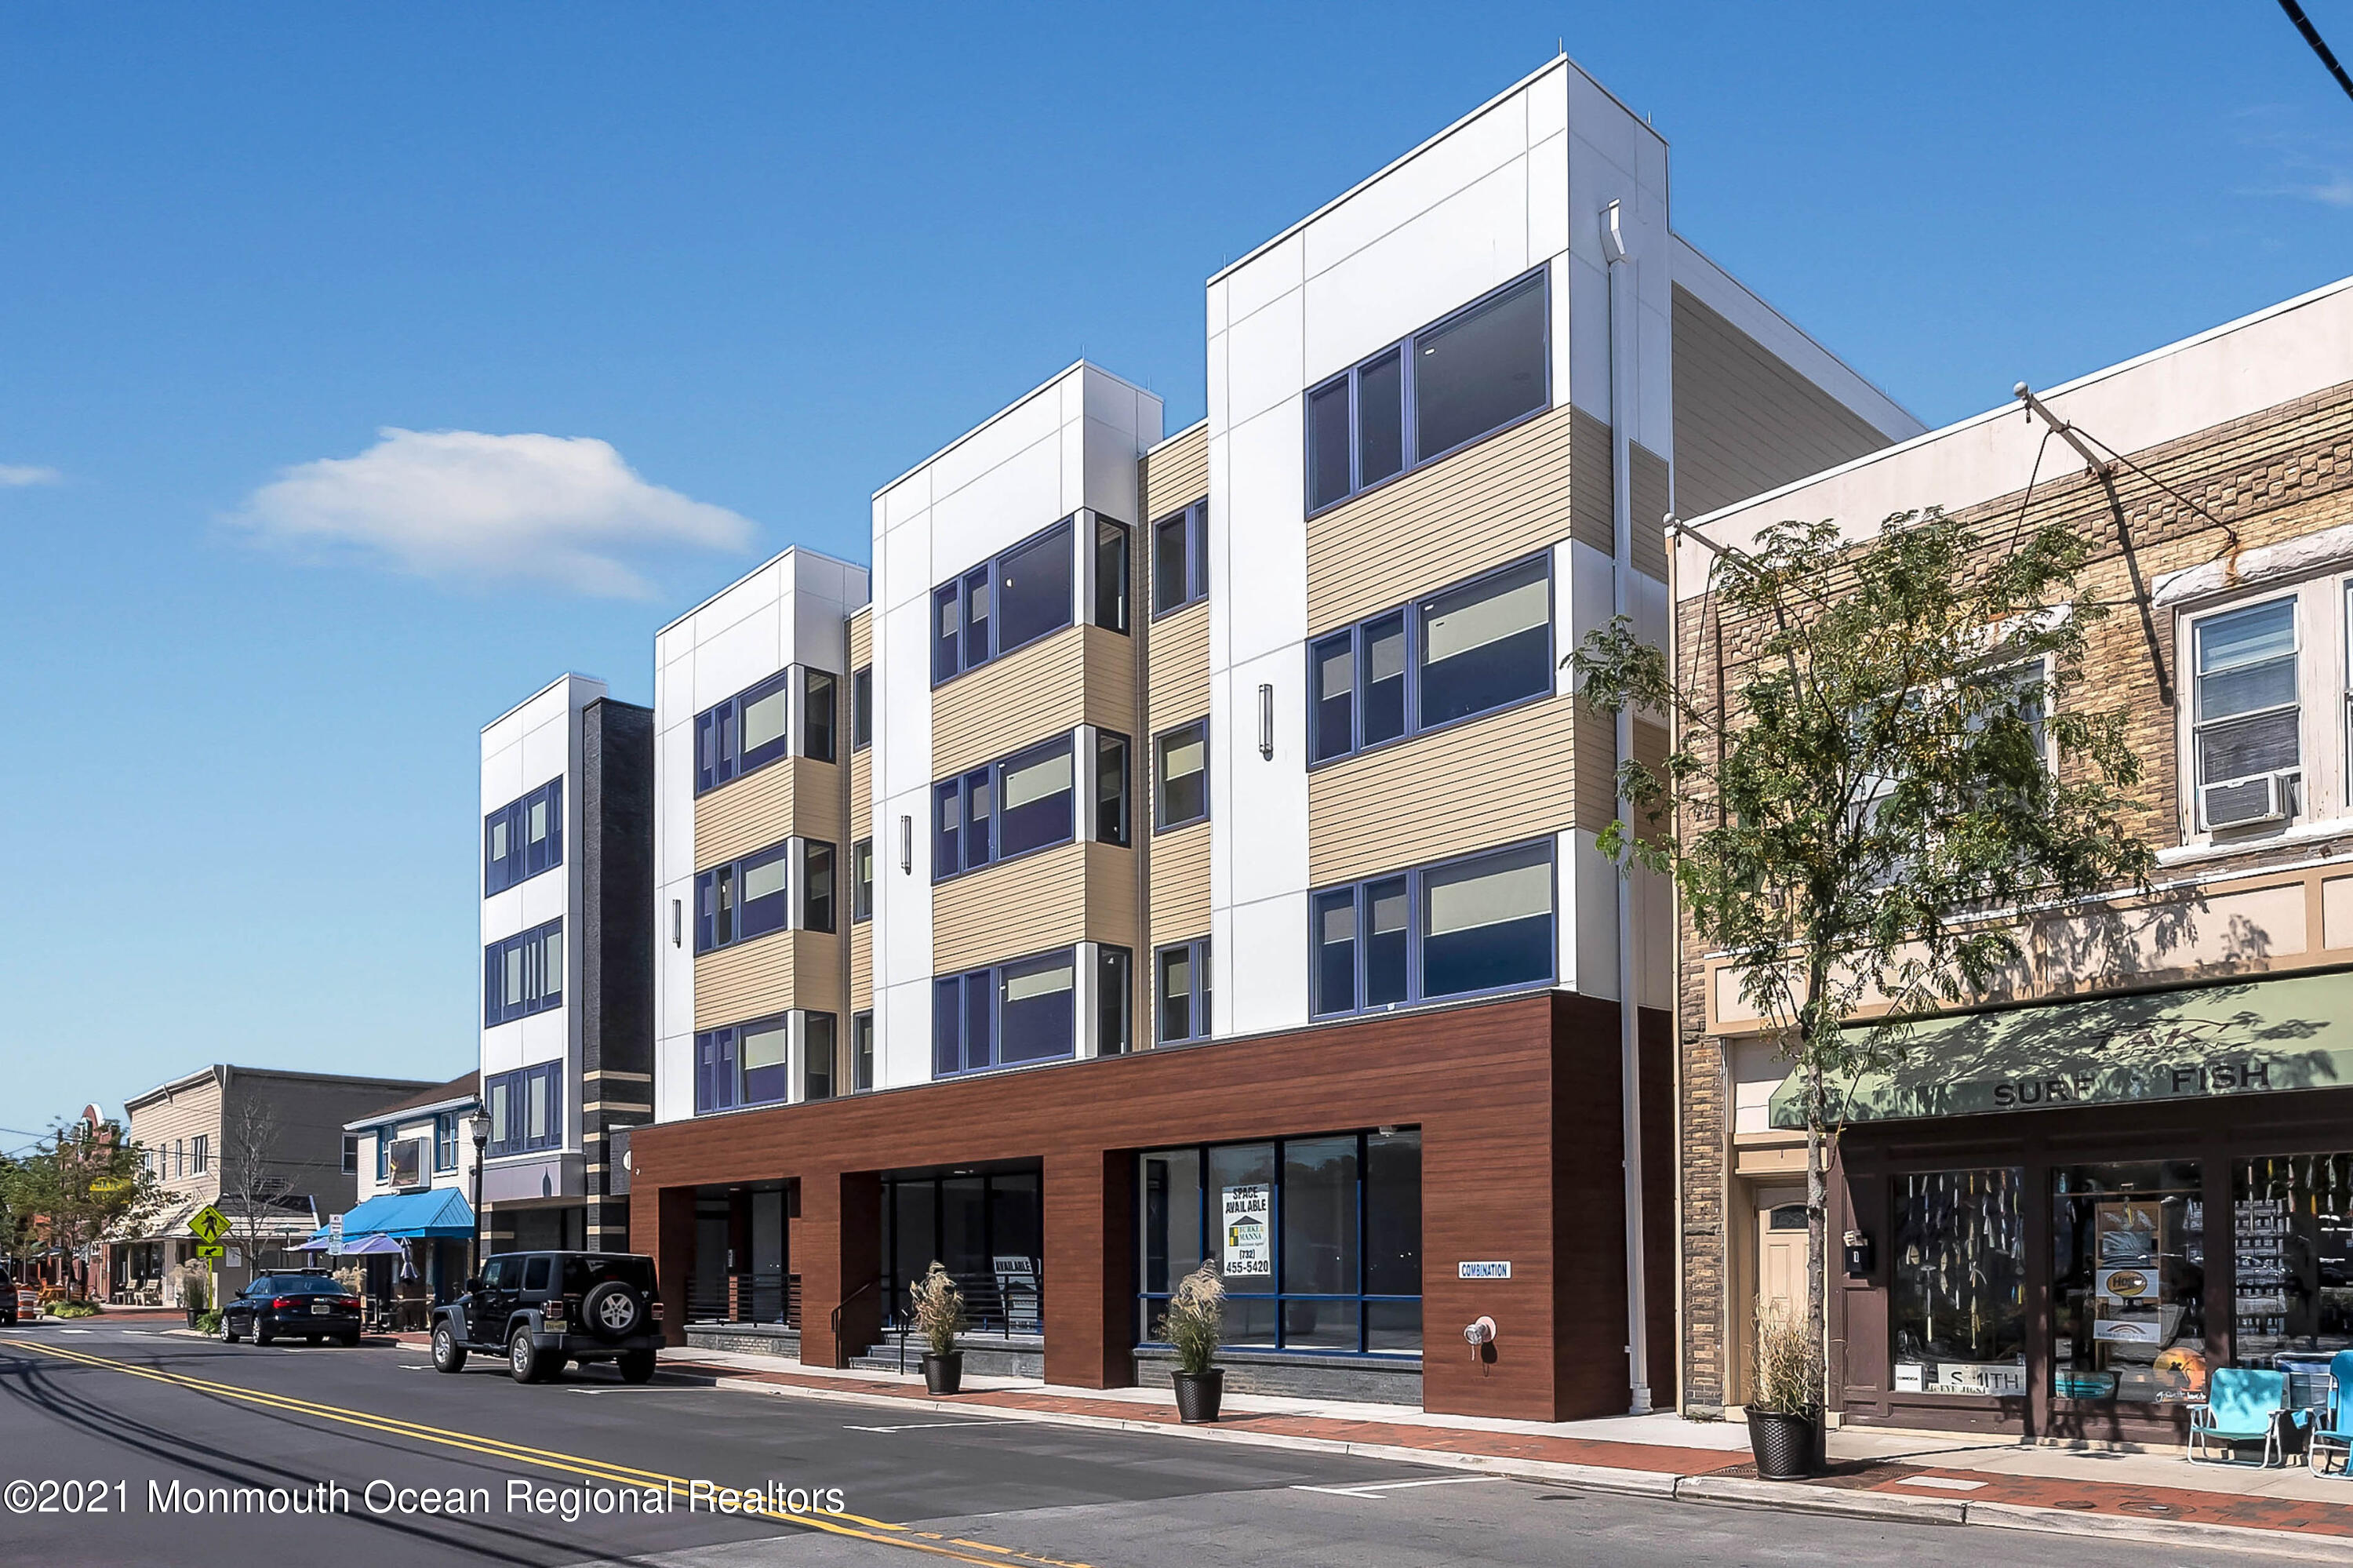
(1517, 1101)
(2218, 1134)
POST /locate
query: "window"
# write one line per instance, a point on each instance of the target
(1111, 787)
(750, 1064)
(2248, 723)
(861, 709)
(816, 1057)
(1114, 1000)
(816, 885)
(1181, 765)
(1180, 558)
(1317, 1240)
(2293, 1216)
(1111, 575)
(1468, 650)
(763, 1051)
(1023, 803)
(2128, 1281)
(535, 1272)
(747, 731)
(1955, 1280)
(526, 1108)
(1005, 1015)
(818, 715)
(523, 837)
(350, 1154)
(200, 1154)
(1002, 605)
(861, 881)
(444, 1141)
(524, 974)
(1460, 928)
(383, 1155)
(862, 1052)
(742, 899)
(179, 1157)
(1181, 991)
(1464, 377)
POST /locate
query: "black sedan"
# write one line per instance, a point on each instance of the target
(311, 1306)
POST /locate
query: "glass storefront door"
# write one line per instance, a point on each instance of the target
(2128, 1282)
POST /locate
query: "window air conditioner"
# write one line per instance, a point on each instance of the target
(2242, 803)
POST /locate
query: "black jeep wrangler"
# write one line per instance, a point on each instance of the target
(540, 1309)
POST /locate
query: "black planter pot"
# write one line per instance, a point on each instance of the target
(194, 1313)
(1787, 1447)
(1197, 1394)
(943, 1374)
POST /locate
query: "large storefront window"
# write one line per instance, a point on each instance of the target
(1957, 1305)
(987, 1230)
(2293, 1218)
(1317, 1240)
(2128, 1282)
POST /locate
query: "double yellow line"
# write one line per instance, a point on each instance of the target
(855, 1526)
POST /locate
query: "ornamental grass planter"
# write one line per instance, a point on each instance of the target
(1788, 1447)
(943, 1374)
(1198, 1393)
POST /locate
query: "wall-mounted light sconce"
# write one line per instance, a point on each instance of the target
(906, 844)
(678, 922)
(1266, 722)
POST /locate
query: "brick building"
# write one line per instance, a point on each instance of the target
(2133, 1166)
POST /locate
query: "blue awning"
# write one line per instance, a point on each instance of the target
(442, 1212)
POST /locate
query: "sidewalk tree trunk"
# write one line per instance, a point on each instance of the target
(1902, 753)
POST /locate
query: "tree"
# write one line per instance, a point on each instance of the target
(251, 1186)
(82, 1182)
(1899, 759)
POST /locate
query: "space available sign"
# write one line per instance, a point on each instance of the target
(1249, 1233)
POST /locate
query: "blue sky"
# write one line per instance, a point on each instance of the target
(771, 259)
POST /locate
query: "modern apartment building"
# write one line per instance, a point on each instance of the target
(567, 962)
(264, 1145)
(2136, 1163)
(1180, 848)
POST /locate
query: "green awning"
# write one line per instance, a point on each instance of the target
(2241, 1037)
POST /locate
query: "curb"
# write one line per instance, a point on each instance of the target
(1704, 1490)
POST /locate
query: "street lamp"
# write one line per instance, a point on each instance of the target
(478, 1127)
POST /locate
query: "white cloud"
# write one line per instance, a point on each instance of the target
(475, 508)
(13, 475)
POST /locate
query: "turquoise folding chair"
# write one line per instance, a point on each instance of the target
(2242, 1406)
(2334, 1427)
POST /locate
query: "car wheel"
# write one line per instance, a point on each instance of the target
(449, 1355)
(613, 1310)
(349, 1341)
(523, 1359)
(261, 1333)
(637, 1366)
(228, 1330)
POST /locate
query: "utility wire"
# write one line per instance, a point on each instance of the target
(2319, 46)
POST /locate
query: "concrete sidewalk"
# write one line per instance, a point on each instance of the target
(1923, 1478)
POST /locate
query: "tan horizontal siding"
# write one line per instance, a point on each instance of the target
(1110, 680)
(1180, 884)
(1177, 474)
(1487, 783)
(861, 966)
(861, 637)
(818, 801)
(1177, 660)
(1114, 901)
(768, 974)
(1479, 508)
(1082, 675)
(1591, 464)
(1596, 773)
(1073, 892)
(862, 797)
(1647, 504)
(1744, 419)
(745, 814)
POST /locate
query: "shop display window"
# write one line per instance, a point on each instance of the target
(1956, 1297)
(2293, 1219)
(2128, 1282)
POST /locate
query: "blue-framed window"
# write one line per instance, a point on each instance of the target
(1180, 775)
(1111, 788)
(744, 1064)
(747, 732)
(819, 715)
(819, 1040)
(1005, 603)
(743, 899)
(1457, 655)
(862, 708)
(816, 885)
(524, 974)
(1317, 1240)
(1462, 379)
(523, 837)
(527, 1109)
(1180, 558)
(1180, 992)
(1460, 927)
(861, 882)
(1012, 806)
(444, 1141)
(1006, 1015)
(1112, 572)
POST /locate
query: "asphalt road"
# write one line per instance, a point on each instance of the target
(130, 1411)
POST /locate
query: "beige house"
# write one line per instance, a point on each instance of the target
(266, 1146)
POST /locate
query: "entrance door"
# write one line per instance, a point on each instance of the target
(1781, 1252)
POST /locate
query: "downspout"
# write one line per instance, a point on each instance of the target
(1622, 604)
